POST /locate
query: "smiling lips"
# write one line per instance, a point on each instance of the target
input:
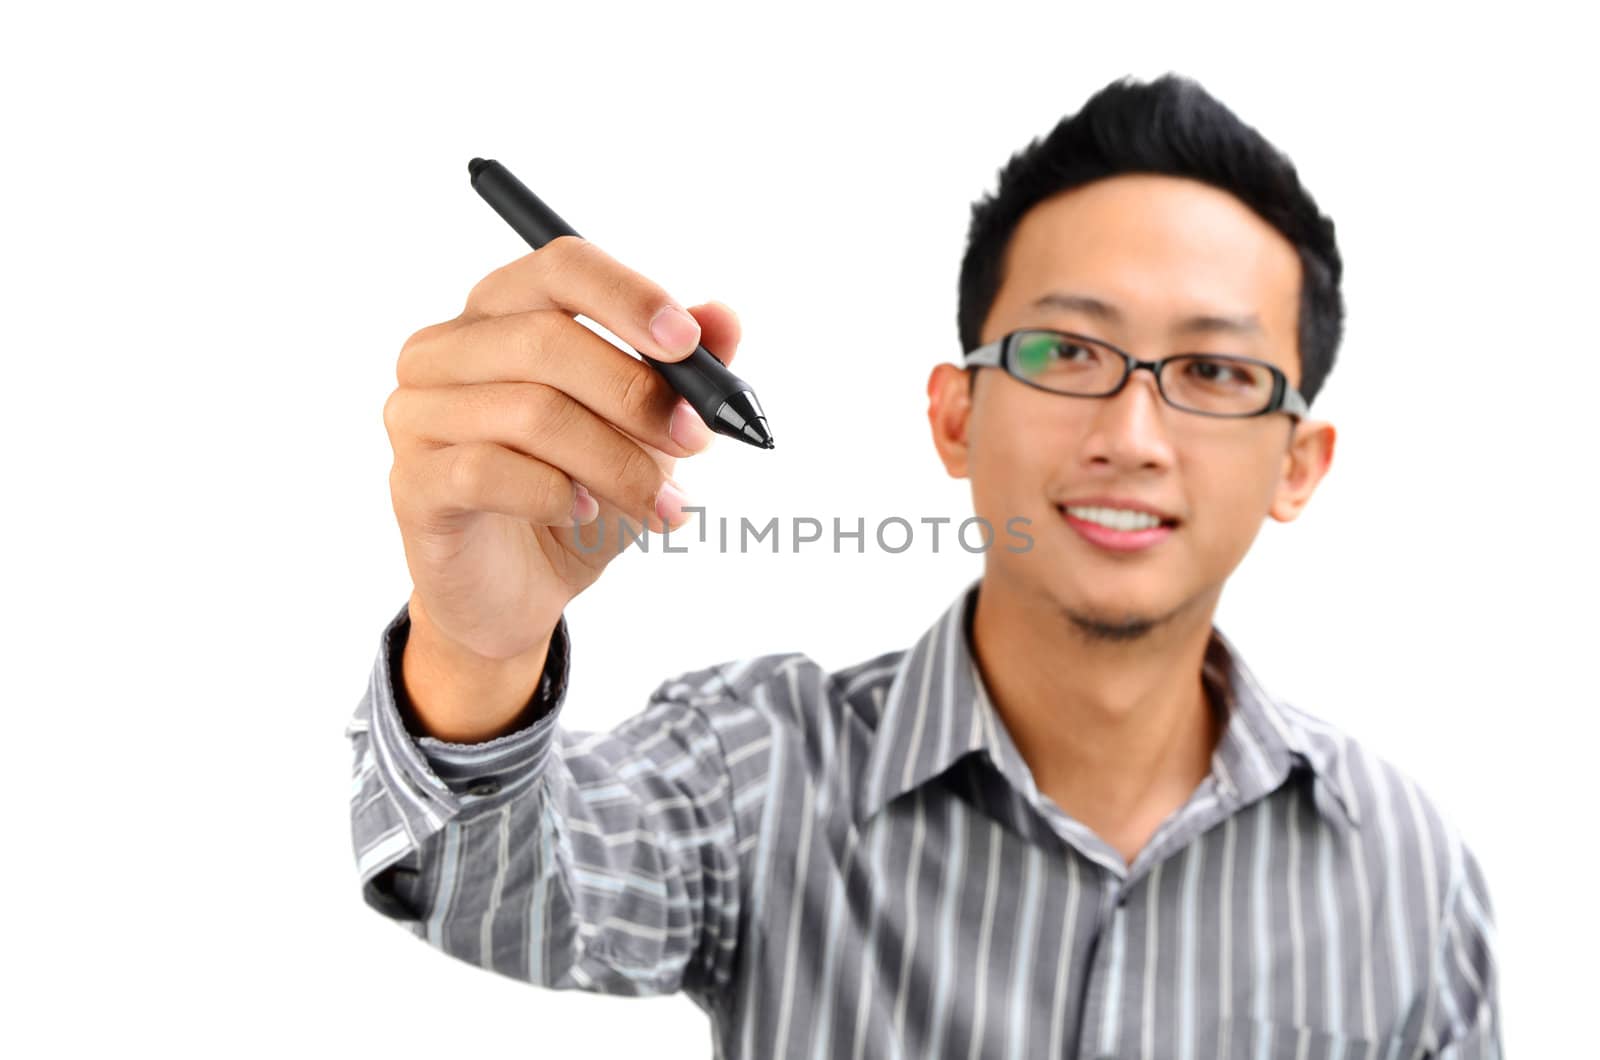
(1124, 527)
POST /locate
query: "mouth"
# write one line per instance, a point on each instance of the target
(1117, 531)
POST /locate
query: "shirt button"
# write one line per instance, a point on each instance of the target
(484, 787)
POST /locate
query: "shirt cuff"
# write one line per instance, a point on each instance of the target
(441, 778)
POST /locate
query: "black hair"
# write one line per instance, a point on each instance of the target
(1172, 126)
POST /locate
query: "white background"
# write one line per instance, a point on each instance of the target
(221, 223)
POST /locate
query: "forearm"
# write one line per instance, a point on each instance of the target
(445, 835)
(461, 697)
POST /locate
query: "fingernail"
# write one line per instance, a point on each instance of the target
(584, 507)
(675, 330)
(687, 428)
(669, 503)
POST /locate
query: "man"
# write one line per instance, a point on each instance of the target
(1067, 821)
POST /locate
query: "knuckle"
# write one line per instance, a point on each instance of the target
(614, 282)
(403, 365)
(391, 413)
(543, 413)
(637, 394)
(568, 248)
(421, 335)
(415, 350)
(475, 297)
(412, 489)
(640, 296)
(399, 480)
(467, 473)
(403, 496)
(622, 287)
(552, 495)
(563, 254)
(488, 292)
(639, 477)
(478, 296)
(532, 337)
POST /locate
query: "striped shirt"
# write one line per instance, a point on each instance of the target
(858, 864)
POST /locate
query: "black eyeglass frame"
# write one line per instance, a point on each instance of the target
(999, 354)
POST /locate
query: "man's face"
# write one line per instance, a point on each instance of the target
(1153, 253)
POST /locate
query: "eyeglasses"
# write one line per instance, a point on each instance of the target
(1209, 384)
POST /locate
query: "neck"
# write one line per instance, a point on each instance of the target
(1117, 732)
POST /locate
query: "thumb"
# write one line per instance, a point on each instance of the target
(719, 329)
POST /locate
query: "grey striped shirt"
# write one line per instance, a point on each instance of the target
(858, 864)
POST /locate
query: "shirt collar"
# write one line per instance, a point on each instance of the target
(937, 711)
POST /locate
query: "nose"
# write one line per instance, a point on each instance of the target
(1129, 428)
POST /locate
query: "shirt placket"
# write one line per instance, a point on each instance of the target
(1100, 975)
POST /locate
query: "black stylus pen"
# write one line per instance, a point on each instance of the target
(723, 400)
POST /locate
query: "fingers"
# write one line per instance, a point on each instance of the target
(509, 406)
(557, 351)
(543, 423)
(484, 477)
(575, 276)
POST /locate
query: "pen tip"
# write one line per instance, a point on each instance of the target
(475, 165)
(756, 432)
(740, 417)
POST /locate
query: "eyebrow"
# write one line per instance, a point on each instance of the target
(1198, 324)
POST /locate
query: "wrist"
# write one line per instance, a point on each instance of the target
(455, 694)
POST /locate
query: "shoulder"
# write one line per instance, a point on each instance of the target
(785, 712)
(789, 689)
(1415, 840)
(1420, 883)
(786, 728)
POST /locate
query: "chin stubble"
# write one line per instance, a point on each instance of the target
(1097, 630)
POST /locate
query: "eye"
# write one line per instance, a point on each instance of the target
(1040, 352)
(1219, 371)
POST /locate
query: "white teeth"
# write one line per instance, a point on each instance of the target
(1116, 518)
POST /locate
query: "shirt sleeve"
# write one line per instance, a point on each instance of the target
(607, 862)
(1467, 1012)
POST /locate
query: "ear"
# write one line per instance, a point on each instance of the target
(1306, 460)
(949, 409)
